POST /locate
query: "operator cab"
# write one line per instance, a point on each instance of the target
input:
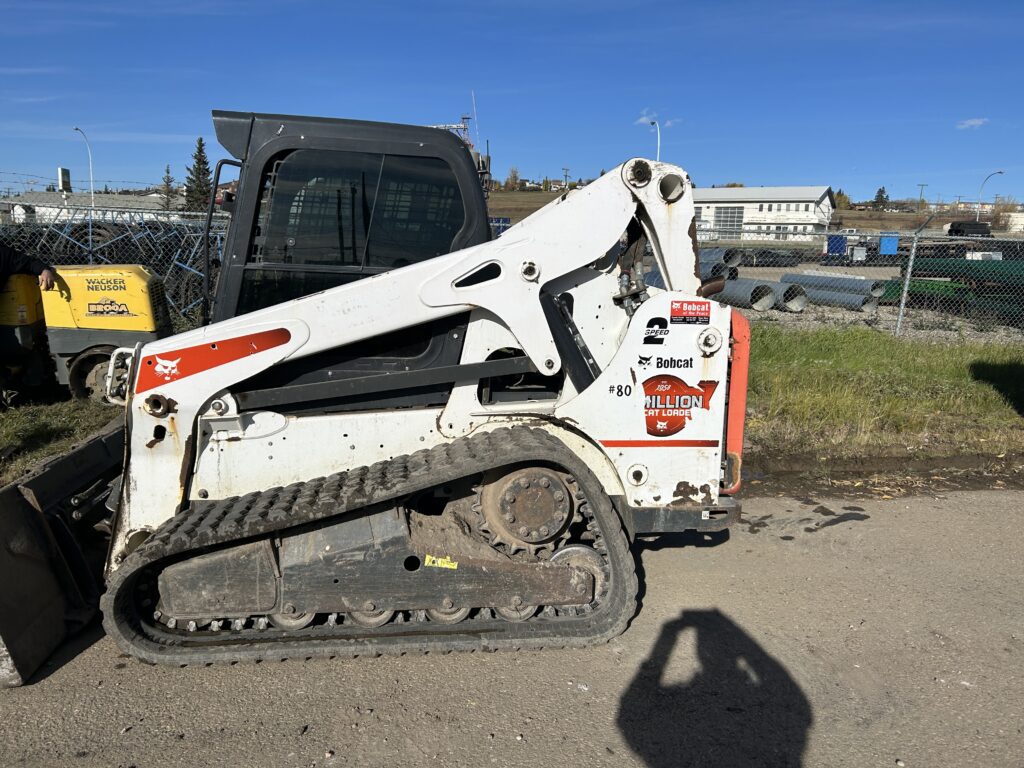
(323, 202)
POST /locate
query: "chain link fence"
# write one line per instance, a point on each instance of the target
(917, 284)
(170, 244)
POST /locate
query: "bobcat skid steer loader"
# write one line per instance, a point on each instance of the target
(450, 453)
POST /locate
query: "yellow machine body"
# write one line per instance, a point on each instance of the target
(20, 302)
(106, 298)
(91, 311)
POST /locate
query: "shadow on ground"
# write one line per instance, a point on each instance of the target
(740, 707)
(69, 650)
(1005, 378)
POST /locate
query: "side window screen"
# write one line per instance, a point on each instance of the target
(356, 210)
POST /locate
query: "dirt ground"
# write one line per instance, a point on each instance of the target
(823, 632)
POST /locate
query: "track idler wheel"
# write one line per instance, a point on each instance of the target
(370, 619)
(447, 615)
(517, 614)
(292, 621)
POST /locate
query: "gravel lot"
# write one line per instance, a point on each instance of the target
(824, 632)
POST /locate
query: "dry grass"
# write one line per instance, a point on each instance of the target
(31, 433)
(828, 393)
(517, 205)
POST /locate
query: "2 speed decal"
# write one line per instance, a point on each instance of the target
(656, 331)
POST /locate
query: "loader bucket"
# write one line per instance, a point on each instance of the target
(49, 579)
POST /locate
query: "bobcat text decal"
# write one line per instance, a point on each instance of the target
(668, 402)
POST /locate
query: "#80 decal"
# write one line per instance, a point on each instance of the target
(668, 402)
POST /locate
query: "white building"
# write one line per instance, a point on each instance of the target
(53, 207)
(762, 213)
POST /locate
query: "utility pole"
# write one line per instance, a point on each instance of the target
(565, 171)
(920, 198)
(958, 203)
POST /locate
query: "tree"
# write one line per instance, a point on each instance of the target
(167, 191)
(881, 199)
(842, 200)
(1001, 211)
(512, 180)
(733, 184)
(545, 185)
(199, 183)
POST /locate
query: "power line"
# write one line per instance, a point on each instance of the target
(41, 177)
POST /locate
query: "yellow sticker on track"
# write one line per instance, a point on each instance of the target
(440, 562)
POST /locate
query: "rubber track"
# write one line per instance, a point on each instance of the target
(210, 524)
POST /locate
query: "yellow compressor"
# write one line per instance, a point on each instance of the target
(70, 331)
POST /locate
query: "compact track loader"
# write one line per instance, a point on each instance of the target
(448, 447)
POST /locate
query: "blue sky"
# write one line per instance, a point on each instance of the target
(855, 95)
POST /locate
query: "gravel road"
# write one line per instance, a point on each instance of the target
(824, 632)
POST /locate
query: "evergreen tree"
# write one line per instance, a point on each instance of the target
(199, 184)
(167, 191)
(842, 200)
(881, 199)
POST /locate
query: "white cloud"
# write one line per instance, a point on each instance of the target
(974, 122)
(646, 116)
(672, 121)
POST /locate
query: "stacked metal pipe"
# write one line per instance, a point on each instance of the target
(854, 293)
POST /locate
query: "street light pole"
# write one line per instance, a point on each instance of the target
(658, 129)
(92, 189)
(994, 173)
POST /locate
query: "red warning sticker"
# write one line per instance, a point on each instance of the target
(691, 312)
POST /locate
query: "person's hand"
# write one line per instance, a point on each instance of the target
(46, 279)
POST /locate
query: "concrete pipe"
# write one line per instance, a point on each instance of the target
(731, 257)
(748, 294)
(837, 284)
(789, 297)
(857, 302)
(712, 269)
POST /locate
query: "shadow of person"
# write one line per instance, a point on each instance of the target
(1005, 378)
(740, 708)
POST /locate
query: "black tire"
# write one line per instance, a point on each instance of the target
(86, 374)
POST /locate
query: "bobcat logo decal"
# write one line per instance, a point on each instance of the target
(166, 369)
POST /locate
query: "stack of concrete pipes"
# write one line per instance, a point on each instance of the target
(759, 295)
(857, 293)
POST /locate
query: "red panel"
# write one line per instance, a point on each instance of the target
(659, 443)
(737, 409)
(156, 370)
